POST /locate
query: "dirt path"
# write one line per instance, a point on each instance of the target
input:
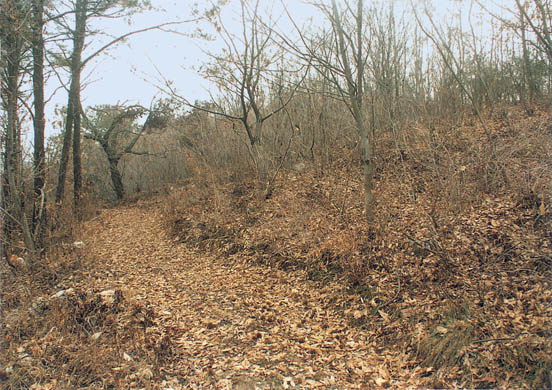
(232, 325)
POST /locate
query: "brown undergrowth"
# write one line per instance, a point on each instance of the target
(58, 331)
(60, 337)
(456, 269)
(449, 288)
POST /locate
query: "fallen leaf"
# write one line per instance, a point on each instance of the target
(441, 330)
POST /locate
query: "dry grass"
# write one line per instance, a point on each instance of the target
(65, 341)
(455, 228)
(79, 339)
(454, 275)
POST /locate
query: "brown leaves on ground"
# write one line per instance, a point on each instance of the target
(219, 287)
(226, 320)
(150, 313)
(455, 278)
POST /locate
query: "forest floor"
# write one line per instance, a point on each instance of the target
(220, 286)
(148, 312)
(231, 324)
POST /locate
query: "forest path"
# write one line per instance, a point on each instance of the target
(232, 325)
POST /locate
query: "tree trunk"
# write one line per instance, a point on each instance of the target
(77, 170)
(64, 159)
(368, 171)
(11, 163)
(9, 105)
(76, 62)
(528, 84)
(355, 91)
(38, 121)
(12, 45)
(116, 178)
(259, 155)
(72, 123)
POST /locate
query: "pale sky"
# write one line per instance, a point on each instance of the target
(129, 72)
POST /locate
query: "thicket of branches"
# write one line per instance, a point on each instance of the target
(308, 96)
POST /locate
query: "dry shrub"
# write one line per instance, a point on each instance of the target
(68, 339)
(461, 164)
(462, 350)
(448, 228)
(71, 339)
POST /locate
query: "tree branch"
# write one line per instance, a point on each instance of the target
(118, 39)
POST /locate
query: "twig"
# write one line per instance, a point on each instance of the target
(271, 182)
(497, 339)
(392, 299)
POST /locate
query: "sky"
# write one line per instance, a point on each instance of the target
(130, 72)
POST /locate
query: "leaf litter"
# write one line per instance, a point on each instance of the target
(218, 287)
(226, 320)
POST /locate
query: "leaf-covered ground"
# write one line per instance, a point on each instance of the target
(219, 286)
(230, 323)
(454, 275)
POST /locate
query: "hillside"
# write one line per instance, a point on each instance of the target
(454, 277)
(295, 195)
(220, 285)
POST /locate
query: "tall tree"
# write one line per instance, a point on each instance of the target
(351, 55)
(339, 55)
(13, 22)
(250, 62)
(38, 119)
(83, 11)
(541, 24)
(72, 120)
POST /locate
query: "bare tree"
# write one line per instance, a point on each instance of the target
(14, 18)
(541, 23)
(457, 70)
(249, 65)
(83, 11)
(339, 55)
(115, 130)
(72, 121)
(350, 52)
(532, 23)
(39, 165)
